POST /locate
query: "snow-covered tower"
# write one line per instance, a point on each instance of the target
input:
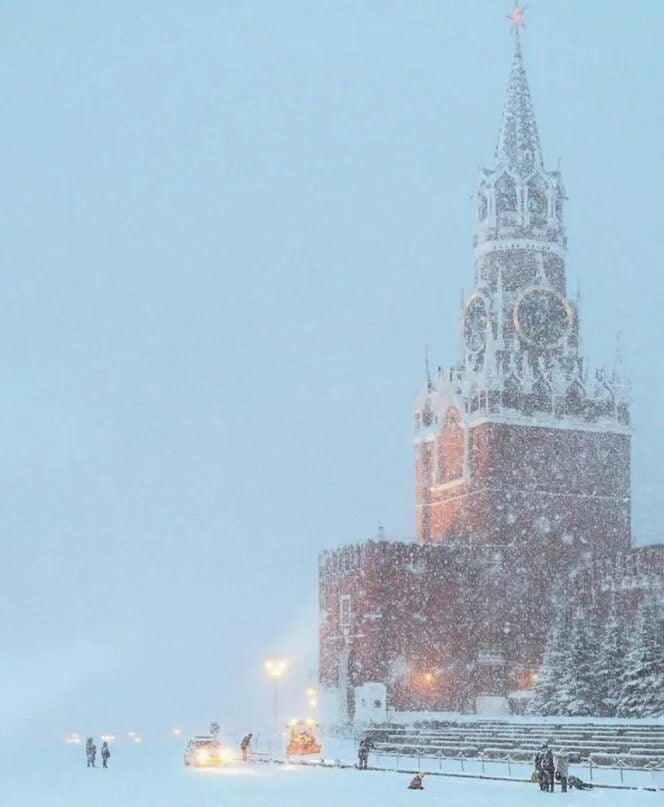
(522, 475)
(520, 438)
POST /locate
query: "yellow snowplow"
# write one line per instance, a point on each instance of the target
(302, 737)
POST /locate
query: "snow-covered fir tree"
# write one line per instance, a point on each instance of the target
(611, 660)
(546, 691)
(578, 694)
(643, 678)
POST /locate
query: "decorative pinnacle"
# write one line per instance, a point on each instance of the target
(427, 371)
(518, 141)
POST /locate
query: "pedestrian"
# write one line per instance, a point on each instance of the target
(90, 752)
(562, 770)
(417, 782)
(244, 746)
(575, 782)
(105, 754)
(539, 769)
(549, 768)
(363, 754)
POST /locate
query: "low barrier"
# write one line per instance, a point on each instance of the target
(336, 764)
(498, 757)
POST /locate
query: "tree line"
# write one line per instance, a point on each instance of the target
(612, 667)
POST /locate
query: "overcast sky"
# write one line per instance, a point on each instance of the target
(227, 230)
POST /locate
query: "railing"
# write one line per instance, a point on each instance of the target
(465, 760)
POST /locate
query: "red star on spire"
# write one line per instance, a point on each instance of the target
(516, 18)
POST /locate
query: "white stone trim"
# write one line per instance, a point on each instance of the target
(485, 247)
(506, 419)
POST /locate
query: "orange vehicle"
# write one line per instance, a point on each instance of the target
(302, 739)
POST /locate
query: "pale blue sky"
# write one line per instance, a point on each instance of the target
(226, 231)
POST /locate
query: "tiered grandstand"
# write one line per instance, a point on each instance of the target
(630, 745)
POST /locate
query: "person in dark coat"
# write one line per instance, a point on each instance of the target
(90, 752)
(549, 769)
(417, 782)
(575, 782)
(244, 746)
(105, 754)
(539, 771)
(363, 753)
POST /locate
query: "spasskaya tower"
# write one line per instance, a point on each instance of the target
(520, 441)
(522, 477)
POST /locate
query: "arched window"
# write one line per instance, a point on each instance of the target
(512, 393)
(451, 447)
(542, 401)
(482, 203)
(575, 399)
(537, 201)
(505, 195)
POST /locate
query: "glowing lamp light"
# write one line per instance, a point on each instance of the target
(202, 756)
(73, 739)
(108, 738)
(177, 732)
(275, 667)
(131, 734)
(138, 740)
(428, 677)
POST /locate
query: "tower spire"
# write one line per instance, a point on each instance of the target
(518, 141)
(427, 371)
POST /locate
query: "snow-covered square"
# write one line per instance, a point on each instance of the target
(155, 777)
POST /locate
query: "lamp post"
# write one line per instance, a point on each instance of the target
(275, 668)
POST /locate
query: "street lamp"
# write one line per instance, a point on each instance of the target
(275, 668)
(312, 697)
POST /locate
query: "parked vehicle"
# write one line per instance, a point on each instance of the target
(207, 752)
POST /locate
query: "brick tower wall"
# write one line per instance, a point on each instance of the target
(521, 480)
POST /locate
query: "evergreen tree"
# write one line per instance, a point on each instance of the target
(643, 678)
(611, 661)
(545, 699)
(578, 694)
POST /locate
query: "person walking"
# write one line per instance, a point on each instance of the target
(90, 752)
(363, 754)
(549, 768)
(105, 754)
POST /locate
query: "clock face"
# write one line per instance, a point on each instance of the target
(542, 317)
(475, 322)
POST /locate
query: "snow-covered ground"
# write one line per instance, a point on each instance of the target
(154, 776)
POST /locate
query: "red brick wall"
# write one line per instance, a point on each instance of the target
(525, 479)
(423, 615)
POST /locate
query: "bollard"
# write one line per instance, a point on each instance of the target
(440, 763)
(622, 778)
(590, 768)
(509, 766)
(462, 768)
